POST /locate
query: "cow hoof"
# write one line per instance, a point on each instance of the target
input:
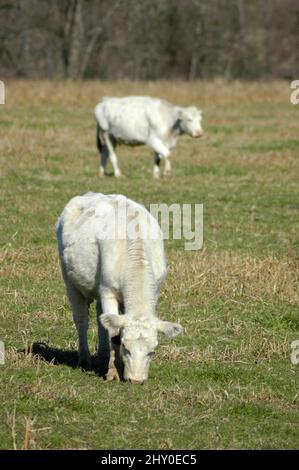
(112, 374)
(85, 363)
(118, 174)
(156, 176)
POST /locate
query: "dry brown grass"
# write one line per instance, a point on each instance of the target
(234, 276)
(20, 262)
(218, 91)
(234, 392)
(214, 98)
(24, 433)
(253, 348)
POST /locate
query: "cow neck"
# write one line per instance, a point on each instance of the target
(139, 286)
(177, 129)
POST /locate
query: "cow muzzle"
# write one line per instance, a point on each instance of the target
(136, 382)
(198, 134)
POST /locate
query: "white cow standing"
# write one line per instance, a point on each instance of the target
(138, 120)
(111, 250)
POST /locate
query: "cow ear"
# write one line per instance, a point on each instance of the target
(112, 323)
(169, 329)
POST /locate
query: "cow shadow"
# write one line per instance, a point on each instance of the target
(66, 357)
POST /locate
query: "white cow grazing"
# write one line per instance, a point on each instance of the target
(111, 250)
(137, 120)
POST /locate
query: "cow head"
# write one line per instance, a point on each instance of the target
(191, 121)
(138, 339)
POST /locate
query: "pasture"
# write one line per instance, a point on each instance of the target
(228, 381)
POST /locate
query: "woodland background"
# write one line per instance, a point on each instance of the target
(149, 39)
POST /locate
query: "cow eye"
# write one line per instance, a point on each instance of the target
(150, 354)
(126, 352)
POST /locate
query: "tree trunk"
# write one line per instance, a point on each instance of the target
(89, 50)
(196, 49)
(267, 14)
(242, 45)
(73, 39)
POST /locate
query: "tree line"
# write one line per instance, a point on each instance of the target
(149, 39)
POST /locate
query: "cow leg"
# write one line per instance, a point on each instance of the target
(167, 167)
(118, 363)
(115, 343)
(79, 305)
(109, 305)
(156, 170)
(103, 160)
(103, 151)
(112, 155)
(159, 148)
(103, 352)
(157, 145)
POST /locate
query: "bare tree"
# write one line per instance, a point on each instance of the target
(78, 40)
(242, 45)
(198, 46)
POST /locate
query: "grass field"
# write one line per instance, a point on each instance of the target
(228, 382)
